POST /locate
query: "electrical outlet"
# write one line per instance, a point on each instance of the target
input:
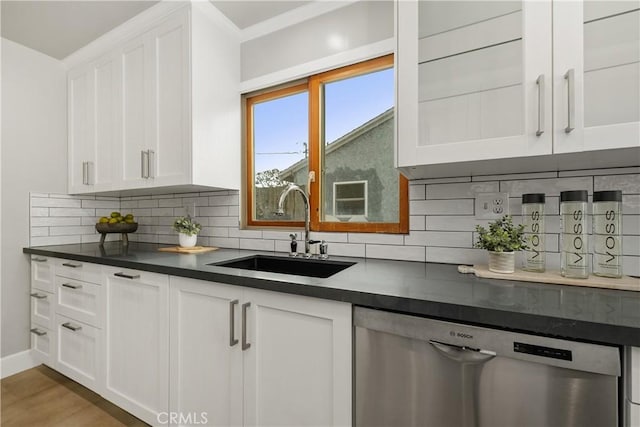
(492, 205)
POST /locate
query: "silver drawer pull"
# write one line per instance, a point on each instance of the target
(72, 265)
(69, 326)
(39, 259)
(38, 332)
(245, 343)
(71, 286)
(232, 334)
(38, 296)
(127, 276)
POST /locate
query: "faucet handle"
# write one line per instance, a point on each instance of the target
(324, 250)
(313, 242)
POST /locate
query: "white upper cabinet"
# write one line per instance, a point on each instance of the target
(596, 54)
(476, 81)
(176, 120)
(92, 125)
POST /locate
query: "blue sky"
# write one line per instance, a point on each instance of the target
(281, 126)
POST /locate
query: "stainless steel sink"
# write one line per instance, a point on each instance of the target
(295, 266)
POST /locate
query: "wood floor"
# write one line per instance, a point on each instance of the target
(43, 397)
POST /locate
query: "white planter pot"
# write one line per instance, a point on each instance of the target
(187, 241)
(502, 262)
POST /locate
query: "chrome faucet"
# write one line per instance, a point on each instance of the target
(280, 212)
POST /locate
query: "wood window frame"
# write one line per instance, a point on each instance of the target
(313, 87)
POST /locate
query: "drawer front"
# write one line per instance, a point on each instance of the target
(79, 300)
(79, 270)
(42, 304)
(42, 344)
(78, 349)
(42, 272)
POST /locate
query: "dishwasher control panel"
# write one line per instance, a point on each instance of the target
(538, 350)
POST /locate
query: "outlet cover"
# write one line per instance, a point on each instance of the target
(491, 205)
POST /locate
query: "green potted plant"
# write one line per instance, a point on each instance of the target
(188, 230)
(502, 240)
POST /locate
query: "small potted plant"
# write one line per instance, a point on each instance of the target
(502, 240)
(187, 230)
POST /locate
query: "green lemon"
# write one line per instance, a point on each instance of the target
(115, 214)
(113, 221)
(103, 220)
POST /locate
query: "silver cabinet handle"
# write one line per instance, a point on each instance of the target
(540, 84)
(127, 276)
(463, 354)
(89, 168)
(245, 344)
(38, 296)
(71, 286)
(144, 164)
(72, 265)
(232, 334)
(151, 162)
(39, 259)
(38, 332)
(85, 179)
(570, 77)
(71, 327)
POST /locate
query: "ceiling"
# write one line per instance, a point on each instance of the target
(59, 28)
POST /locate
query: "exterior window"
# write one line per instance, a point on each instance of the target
(332, 135)
(349, 200)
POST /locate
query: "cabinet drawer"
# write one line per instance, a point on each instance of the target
(78, 349)
(42, 308)
(78, 270)
(42, 273)
(42, 344)
(79, 300)
(634, 375)
(633, 414)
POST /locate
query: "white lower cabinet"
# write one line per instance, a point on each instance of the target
(137, 342)
(78, 351)
(43, 345)
(241, 356)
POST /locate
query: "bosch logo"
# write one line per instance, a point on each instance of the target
(461, 335)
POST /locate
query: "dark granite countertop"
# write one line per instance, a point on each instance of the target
(426, 289)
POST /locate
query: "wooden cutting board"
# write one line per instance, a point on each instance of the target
(193, 250)
(625, 283)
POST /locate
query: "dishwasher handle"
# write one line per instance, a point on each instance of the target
(463, 354)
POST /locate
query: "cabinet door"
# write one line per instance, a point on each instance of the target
(80, 87)
(170, 138)
(137, 342)
(100, 169)
(205, 358)
(297, 360)
(135, 116)
(43, 345)
(473, 80)
(79, 352)
(596, 53)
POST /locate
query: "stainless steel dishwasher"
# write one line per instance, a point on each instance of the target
(413, 371)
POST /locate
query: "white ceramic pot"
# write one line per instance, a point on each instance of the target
(502, 262)
(187, 241)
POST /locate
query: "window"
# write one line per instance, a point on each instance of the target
(332, 135)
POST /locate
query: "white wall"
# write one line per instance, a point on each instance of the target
(34, 158)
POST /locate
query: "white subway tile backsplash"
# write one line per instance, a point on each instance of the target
(55, 202)
(406, 253)
(114, 205)
(460, 190)
(515, 176)
(628, 184)
(257, 244)
(416, 222)
(551, 186)
(382, 239)
(441, 207)
(441, 222)
(451, 239)
(42, 221)
(72, 212)
(417, 192)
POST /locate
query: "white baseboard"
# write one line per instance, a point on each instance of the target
(16, 363)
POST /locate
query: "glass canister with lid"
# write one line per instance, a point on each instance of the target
(574, 244)
(607, 233)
